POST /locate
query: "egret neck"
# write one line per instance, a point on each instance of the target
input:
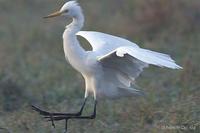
(74, 53)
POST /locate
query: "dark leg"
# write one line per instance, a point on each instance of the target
(51, 116)
(66, 121)
(46, 113)
(66, 118)
(62, 117)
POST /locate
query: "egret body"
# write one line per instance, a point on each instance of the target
(110, 69)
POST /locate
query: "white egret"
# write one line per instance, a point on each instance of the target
(109, 69)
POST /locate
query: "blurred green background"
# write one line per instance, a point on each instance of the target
(33, 69)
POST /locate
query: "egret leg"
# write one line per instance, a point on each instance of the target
(51, 115)
(66, 118)
(62, 117)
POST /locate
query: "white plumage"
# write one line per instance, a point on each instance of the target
(110, 69)
(114, 62)
(104, 44)
(122, 61)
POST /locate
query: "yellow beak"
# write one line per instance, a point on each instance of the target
(55, 14)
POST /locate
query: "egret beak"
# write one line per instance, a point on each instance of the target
(55, 14)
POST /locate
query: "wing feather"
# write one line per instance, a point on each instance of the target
(122, 61)
(104, 43)
(129, 67)
(147, 56)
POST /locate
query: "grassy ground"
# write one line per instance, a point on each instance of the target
(33, 68)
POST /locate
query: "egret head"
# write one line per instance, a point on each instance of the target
(69, 9)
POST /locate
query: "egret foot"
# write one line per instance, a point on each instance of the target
(65, 116)
(50, 115)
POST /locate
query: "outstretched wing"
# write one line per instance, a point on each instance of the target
(130, 62)
(105, 44)
(123, 61)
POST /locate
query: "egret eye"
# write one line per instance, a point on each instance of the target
(66, 11)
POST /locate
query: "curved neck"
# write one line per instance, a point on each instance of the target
(74, 53)
(76, 24)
